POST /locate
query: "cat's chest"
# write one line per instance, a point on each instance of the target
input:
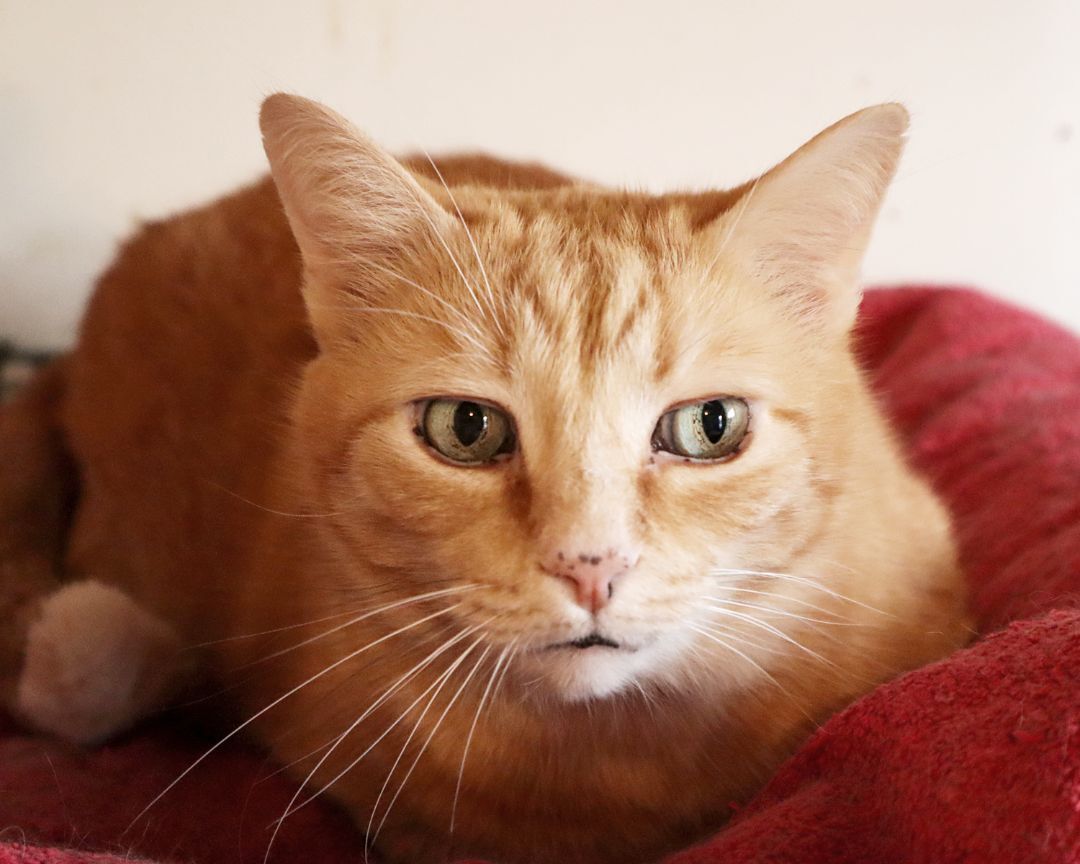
(546, 786)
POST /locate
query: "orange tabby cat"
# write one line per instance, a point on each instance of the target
(528, 519)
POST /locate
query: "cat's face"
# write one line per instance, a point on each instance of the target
(575, 414)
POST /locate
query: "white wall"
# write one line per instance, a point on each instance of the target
(116, 110)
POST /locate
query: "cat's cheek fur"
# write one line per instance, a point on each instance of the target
(726, 511)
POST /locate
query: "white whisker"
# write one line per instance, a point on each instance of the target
(472, 242)
(427, 741)
(386, 694)
(326, 670)
(741, 637)
(462, 635)
(271, 631)
(809, 619)
(722, 642)
(322, 620)
(438, 685)
(472, 729)
(460, 316)
(646, 697)
(402, 681)
(271, 510)
(800, 580)
(386, 310)
(442, 241)
(742, 204)
(397, 604)
(739, 589)
(775, 631)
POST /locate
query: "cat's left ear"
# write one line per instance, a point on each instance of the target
(802, 228)
(353, 207)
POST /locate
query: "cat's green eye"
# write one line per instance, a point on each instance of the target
(469, 433)
(705, 430)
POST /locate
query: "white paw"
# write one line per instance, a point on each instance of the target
(95, 663)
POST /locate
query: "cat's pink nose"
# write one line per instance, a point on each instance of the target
(591, 575)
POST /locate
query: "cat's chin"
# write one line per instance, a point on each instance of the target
(576, 674)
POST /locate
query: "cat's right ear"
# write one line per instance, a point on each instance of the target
(801, 229)
(352, 207)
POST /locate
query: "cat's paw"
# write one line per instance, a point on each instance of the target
(95, 662)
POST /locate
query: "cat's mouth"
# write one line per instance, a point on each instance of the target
(593, 640)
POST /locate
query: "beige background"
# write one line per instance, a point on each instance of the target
(118, 110)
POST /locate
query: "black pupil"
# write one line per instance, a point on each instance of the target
(470, 422)
(713, 420)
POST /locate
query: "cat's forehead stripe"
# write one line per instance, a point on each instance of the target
(584, 283)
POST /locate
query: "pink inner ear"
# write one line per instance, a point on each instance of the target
(803, 227)
(357, 215)
(346, 198)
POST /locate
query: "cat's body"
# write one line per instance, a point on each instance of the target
(252, 460)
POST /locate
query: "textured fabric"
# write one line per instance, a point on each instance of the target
(973, 759)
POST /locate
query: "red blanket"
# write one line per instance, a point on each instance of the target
(973, 759)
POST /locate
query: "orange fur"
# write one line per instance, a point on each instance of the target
(241, 408)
